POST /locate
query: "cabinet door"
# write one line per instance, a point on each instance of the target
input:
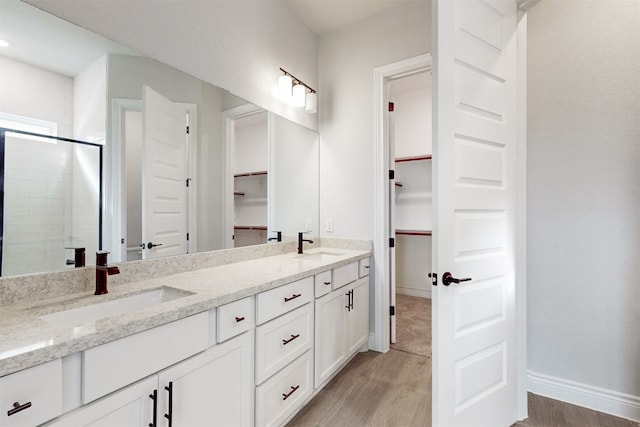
(357, 318)
(329, 348)
(213, 388)
(129, 407)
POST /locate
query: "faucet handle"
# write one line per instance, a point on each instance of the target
(102, 257)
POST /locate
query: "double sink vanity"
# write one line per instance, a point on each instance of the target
(240, 337)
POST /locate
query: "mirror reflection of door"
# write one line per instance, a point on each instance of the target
(156, 167)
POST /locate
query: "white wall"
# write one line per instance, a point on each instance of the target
(347, 58)
(33, 92)
(237, 45)
(584, 202)
(90, 102)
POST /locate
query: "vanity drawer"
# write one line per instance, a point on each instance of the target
(273, 303)
(113, 365)
(363, 266)
(38, 390)
(283, 393)
(345, 274)
(235, 318)
(282, 340)
(322, 282)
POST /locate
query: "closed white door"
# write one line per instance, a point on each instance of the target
(164, 177)
(474, 321)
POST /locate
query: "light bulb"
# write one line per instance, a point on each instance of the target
(311, 103)
(299, 92)
(284, 86)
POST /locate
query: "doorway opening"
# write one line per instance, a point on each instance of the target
(410, 206)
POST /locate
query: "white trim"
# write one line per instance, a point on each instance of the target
(115, 219)
(381, 75)
(412, 292)
(228, 118)
(521, 217)
(28, 124)
(597, 398)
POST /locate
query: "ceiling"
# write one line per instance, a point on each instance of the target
(324, 16)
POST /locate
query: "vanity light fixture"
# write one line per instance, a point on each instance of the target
(298, 92)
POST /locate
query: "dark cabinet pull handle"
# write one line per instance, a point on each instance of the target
(151, 245)
(239, 318)
(169, 415)
(447, 279)
(293, 337)
(327, 283)
(294, 296)
(285, 396)
(366, 266)
(349, 305)
(154, 397)
(17, 407)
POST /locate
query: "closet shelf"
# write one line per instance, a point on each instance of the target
(250, 227)
(238, 175)
(413, 158)
(413, 232)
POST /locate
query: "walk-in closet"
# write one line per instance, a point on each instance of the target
(410, 146)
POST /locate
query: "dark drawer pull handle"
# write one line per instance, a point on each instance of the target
(17, 407)
(294, 296)
(366, 266)
(293, 337)
(239, 319)
(285, 396)
(169, 415)
(327, 283)
(154, 397)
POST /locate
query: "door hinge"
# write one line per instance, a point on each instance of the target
(392, 174)
(187, 130)
(392, 310)
(392, 242)
(188, 179)
(391, 106)
(187, 236)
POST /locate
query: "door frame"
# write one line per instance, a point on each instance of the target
(380, 339)
(114, 224)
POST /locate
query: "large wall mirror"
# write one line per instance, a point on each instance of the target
(187, 166)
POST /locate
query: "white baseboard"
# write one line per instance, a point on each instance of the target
(412, 292)
(600, 399)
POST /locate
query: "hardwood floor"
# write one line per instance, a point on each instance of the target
(374, 389)
(394, 389)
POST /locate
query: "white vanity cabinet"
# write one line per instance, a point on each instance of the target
(284, 342)
(341, 325)
(31, 396)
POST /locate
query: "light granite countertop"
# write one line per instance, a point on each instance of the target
(26, 340)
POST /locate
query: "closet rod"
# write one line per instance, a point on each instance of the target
(414, 232)
(250, 227)
(250, 174)
(413, 158)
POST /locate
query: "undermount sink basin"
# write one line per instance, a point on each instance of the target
(114, 307)
(320, 256)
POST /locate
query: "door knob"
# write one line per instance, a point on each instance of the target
(151, 245)
(448, 279)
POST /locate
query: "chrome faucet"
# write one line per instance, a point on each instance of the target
(103, 269)
(300, 240)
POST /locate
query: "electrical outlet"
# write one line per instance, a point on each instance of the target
(307, 224)
(330, 225)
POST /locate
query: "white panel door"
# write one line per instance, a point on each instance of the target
(164, 174)
(474, 322)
